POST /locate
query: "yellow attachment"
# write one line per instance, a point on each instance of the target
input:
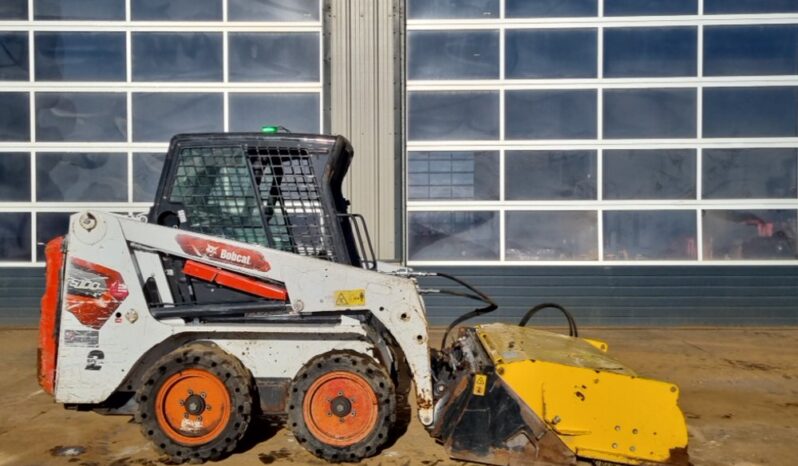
(598, 344)
(599, 408)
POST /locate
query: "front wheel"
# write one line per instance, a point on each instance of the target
(342, 406)
(195, 403)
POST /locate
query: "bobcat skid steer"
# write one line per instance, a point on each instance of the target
(250, 291)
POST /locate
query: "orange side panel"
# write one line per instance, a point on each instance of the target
(48, 323)
(248, 285)
(235, 281)
(201, 271)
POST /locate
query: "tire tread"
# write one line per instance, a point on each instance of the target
(214, 360)
(370, 370)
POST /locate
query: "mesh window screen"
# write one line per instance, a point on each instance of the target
(215, 186)
(290, 192)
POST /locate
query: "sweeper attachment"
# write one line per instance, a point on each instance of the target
(250, 291)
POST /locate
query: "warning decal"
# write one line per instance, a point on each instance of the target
(480, 381)
(345, 298)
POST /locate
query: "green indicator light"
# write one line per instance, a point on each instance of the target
(269, 129)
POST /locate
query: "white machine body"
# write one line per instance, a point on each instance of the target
(96, 360)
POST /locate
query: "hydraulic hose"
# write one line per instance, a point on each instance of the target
(477, 296)
(572, 330)
(491, 306)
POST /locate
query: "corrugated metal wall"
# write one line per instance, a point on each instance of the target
(705, 295)
(595, 295)
(364, 61)
(20, 291)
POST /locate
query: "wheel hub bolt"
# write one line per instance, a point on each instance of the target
(195, 405)
(341, 406)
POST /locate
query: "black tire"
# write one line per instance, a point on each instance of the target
(210, 362)
(358, 366)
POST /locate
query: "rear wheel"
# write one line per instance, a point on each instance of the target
(342, 406)
(195, 403)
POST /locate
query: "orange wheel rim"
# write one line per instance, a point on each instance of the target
(340, 408)
(193, 407)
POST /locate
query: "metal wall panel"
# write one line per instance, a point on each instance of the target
(21, 289)
(724, 295)
(630, 295)
(362, 60)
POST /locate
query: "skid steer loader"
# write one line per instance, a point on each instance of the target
(249, 290)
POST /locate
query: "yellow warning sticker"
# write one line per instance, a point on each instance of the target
(480, 382)
(350, 298)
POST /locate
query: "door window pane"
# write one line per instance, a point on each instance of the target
(273, 10)
(649, 7)
(649, 174)
(216, 187)
(50, 225)
(452, 9)
(749, 234)
(181, 56)
(14, 236)
(650, 235)
(649, 113)
(749, 6)
(453, 115)
(14, 9)
(642, 52)
(274, 57)
(453, 175)
(81, 116)
(79, 9)
(80, 56)
(751, 50)
(297, 112)
(14, 177)
(551, 236)
(453, 236)
(750, 173)
(176, 10)
(146, 174)
(550, 175)
(750, 112)
(13, 56)
(550, 53)
(81, 177)
(566, 114)
(550, 8)
(453, 54)
(15, 117)
(157, 116)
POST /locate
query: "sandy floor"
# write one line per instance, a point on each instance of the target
(739, 393)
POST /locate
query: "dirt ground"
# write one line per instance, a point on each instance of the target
(739, 393)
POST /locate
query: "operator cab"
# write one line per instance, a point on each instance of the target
(278, 190)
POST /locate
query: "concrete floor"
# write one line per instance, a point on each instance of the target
(739, 392)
